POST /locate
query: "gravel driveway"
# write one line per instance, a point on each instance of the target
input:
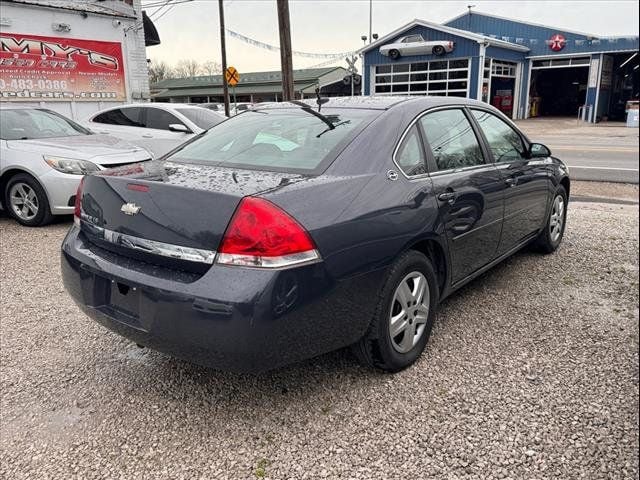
(531, 372)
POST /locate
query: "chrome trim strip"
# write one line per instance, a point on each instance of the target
(154, 247)
(283, 261)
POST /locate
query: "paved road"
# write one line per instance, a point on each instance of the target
(599, 163)
(603, 152)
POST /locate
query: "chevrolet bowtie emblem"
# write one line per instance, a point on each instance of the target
(130, 209)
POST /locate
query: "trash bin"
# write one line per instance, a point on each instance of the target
(632, 110)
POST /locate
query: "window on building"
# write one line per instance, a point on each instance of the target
(503, 69)
(451, 139)
(439, 77)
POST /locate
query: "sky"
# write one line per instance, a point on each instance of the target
(191, 30)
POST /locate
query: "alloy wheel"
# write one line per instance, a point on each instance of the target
(409, 312)
(24, 201)
(556, 221)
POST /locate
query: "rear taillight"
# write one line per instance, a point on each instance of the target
(78, 204)
(261, 234)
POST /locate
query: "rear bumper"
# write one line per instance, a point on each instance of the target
(231, 318)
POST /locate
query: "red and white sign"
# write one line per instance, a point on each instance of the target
(557, 42)
(35, 68)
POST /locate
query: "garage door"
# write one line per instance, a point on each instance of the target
(558, 86)
(438, 77)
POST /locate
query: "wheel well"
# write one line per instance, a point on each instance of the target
(8, 175)
(566, 183)
(436, 254)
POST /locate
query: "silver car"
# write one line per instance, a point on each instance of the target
(416, 45)
(43, 156)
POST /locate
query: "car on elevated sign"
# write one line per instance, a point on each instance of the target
(416, 45)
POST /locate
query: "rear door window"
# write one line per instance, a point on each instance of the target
(410, 156)
(161, 119)
(129, 117)
(504, 142)
(451, 139)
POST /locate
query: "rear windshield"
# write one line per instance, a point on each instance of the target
(287, 140)
(202, 117)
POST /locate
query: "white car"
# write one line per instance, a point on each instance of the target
(43, 157)
(416, 45)
(158, 127)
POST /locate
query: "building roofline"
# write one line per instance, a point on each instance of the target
(443, 28)
(216, 80)
(533, 24)
(577, 54)
(106, 11)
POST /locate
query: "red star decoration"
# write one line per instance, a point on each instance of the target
(557, 42)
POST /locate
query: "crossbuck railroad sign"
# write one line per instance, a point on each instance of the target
(232, 75)
(352, 64)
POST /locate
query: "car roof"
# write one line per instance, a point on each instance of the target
(381, 102)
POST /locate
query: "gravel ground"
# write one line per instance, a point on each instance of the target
(531, 372)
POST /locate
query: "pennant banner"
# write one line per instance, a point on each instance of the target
(273, 48)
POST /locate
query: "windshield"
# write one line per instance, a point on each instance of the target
(203, 118)
(290, 140)
(26, 124)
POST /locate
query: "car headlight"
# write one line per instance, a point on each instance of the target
(71, 165)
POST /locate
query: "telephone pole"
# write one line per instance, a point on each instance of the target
(285, 50)
(225, 87)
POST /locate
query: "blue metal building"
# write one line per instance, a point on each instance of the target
(523, 68)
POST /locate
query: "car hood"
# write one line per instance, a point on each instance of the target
(101, 149)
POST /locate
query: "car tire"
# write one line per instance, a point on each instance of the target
(394, 54)
(379, 348)
(551, 235)
(38, 212)
(438, 50)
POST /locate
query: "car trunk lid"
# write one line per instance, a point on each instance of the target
(167, 212)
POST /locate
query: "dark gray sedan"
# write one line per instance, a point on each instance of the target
(299, 228)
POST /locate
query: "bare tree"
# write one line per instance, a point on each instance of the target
(212, 68)
(188, 68)
(159, 71)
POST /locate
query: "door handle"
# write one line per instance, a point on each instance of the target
(449, 197)
(146, 135)
(511, 181)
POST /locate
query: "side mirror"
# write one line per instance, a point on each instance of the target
(537, 150)
(178, 127)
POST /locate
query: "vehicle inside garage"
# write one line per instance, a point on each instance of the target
(558, 90)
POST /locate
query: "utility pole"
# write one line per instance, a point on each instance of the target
(225, 87)
(285, 50)
(370, 19)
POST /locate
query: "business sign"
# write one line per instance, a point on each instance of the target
(557, 42)
(35, 68)
(594, 71)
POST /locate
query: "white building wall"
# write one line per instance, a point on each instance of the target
(37, 20)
